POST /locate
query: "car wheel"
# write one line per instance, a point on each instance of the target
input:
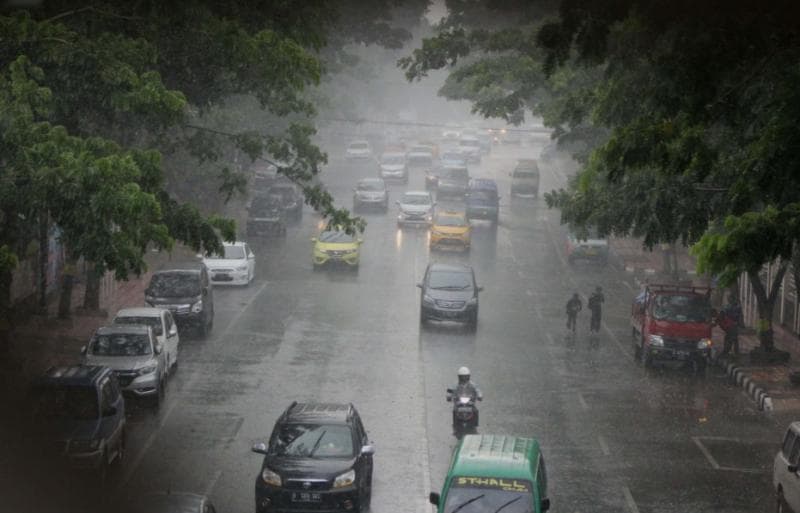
(422, 319)
(365, 500)
(202, 329)
(699, 367)
(102, 470)
(647, 359)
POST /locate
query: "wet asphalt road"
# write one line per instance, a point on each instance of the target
(615, 438)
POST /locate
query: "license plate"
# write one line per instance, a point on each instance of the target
(591, 251)
(683, 355)
(306, 497)
(464, 409)
(222, 277)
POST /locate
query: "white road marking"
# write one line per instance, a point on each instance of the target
(632, 507)
(698, 440)
(210, 486)
(582, 401)
(603, 445)
(706, 453)
(137, 460)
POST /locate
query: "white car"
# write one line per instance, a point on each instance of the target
(360, 150)
(237, 266)
(163, 325)
(785, 476)
(416, 208)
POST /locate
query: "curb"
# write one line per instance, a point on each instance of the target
(738, 376)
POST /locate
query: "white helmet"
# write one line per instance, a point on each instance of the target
(463, 371)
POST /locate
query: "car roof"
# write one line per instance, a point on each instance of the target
(460, 268)
(138, 329)
(141, 311)
(188, 266)
(73, 375)
(483, 183)
(318, 412)
(371, 180)
(417, 193)
(496, 456)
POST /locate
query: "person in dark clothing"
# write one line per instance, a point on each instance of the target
(574, 305)
(730, 319)
(595, 304)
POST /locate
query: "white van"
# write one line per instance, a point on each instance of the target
(785, 476)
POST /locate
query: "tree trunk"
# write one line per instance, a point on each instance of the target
(67, 280)
(91, 295)
(6, 314)
(44, 255)
(765, 304)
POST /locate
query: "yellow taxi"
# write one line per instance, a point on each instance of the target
(450, 230)
(334, 246)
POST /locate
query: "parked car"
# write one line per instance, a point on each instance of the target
(672, 323)
(450, 230)
(266, 216)
(449, 293)
(235, 266)
(334, 246)
(416, 209)
(80, 412)
(483, 201)
(164, 328)
(169, 502)
(453, 181)
(525, 178)
(393, 166)
(785, 477)
(136, 357)
(185, 290)
(499, 471)
(370, 193)
(589, 246)
(318, 458)
(359, 150)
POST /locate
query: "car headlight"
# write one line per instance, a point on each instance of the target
(198, 306)
(346, 479)
(242, 267)
(656, 340)
(429, 217)
(270, 477)
(84, 445)
(147, 369)
(704, 343)
(427, 299)
(473, 301)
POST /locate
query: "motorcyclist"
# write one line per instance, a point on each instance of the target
(465, 387)
(595, 304)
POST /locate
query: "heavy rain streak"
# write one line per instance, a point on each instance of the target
(462, 256)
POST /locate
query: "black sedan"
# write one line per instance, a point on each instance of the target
(449, 293)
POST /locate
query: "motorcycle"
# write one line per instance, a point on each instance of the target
(465, 413)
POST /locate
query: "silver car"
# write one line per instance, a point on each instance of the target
(134, 354)
(416, 209)
(370, 192)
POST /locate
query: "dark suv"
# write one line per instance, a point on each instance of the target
(449, 293)
(186, 292)
(80, 411)
(289, 198)
(319, 458)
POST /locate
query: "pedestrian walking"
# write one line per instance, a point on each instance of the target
(730, 319)
(574, 305)
(595, 305)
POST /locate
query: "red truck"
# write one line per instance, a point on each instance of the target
(673, 323)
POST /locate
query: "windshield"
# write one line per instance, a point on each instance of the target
(120, 344)
(525, 173)
(489, 495)
(313, 441)
(456, 173)
(420, 149)
(416, 199)
(482, 196)
(450, 220)
(335, 236)
(450, 280)
(175, 284)
(78, 403)
(682, 308)
(393, 160)
(231, 253)
(371, 185)
(359, 145)
(153, 322)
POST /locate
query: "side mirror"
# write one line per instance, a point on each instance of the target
(450, 391)
(433, 498)
(397, 203)
(159, 349)
(480, 289)
(313, 239)
(360, 241)
(545, 505)
(199, 255)
(173, 331)
(419, 285)
(83, 350)
(251, 256)
(110, 411)
(368, 450)
(792, 469)
(260, 448)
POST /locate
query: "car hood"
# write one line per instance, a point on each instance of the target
(174, 300)
(119, 363)
(450, 295)
(68, 429)
(336, 246)
(370, 194)
(451, 230)
(222, 263)
(308, 468)
(688, 330)
(355, 151)
(416, 209)
(392, 167)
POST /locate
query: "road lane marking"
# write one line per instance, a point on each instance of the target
(210, 486)
(632, 507)
(137, 460)
(603, 445)
(706, 453)
(582, 401)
